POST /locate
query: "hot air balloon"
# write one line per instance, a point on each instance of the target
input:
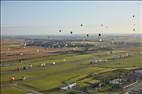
(70, 32)
(134, 23)
(102, 25)
(81, 25)
(87, 35)
(99, 34)
(59, 30)
(99, 37)
(134, 29)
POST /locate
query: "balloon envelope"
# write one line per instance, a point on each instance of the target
(99, 34)
(134, 29)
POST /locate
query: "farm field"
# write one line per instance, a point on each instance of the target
(71, 47)
(62, 69)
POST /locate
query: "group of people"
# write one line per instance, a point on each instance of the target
(24, 67)
(30, 66)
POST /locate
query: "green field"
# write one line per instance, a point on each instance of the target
(76, 68)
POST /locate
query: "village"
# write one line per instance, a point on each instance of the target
(127, 83)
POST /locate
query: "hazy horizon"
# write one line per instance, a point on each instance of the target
(48, 17)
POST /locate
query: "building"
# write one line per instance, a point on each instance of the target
(115, 81)
(134, 75)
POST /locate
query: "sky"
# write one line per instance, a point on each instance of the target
(48, 17)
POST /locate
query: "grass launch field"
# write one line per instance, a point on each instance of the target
(68, 68)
